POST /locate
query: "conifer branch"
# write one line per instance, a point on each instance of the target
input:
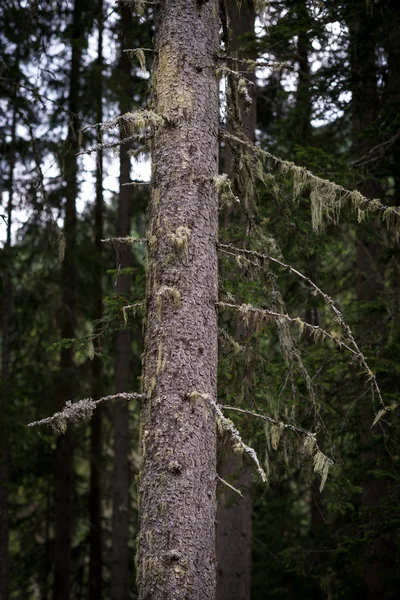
(316, 331)
(338, 316)
(325, 195)
(226, 425)
(116, 144)
(252, 65)
(128, 240)
(321, 462)
(228, 485)
(73, 412)
(134, 183)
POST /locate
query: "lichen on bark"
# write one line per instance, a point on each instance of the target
(176, 543)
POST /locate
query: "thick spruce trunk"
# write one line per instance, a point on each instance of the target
(176, 546)
(234, 516)
(96, 538)
(120, 579)
(63, 496)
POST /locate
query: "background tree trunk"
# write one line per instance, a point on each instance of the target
(369, 285)
(66, 383)
(120, 580)
(6, 309)
(234, 515)
(176, 557)
(96, 538)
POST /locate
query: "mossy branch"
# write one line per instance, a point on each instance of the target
(226, 424)
(338, 316)
(263, 314)
(133, 121)
(74, 412)
(136, 137)
(139, 54)
(133, 308)
(229, 486)
(135, 183)
(326, 196)
(252, 65)
(321, 462)
(223, 185)
(128, 240)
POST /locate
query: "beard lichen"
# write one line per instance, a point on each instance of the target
(180, 240)
(171, 294)
(223, 185)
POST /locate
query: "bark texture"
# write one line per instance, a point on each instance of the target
(66, 384)
(123, 351)
(176, 546)
(96, 538)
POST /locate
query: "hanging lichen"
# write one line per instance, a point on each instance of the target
(180, 240)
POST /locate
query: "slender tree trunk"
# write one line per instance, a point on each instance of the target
(5, 376)
(66, 383)
(234, 531)
(303, 95)
(120, 579)
(96, 540)
(234, 516)
(176, 546)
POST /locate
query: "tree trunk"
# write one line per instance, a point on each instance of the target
(234, 531)
(234, 516)
(96, 541)
(66, 386)
(6, 310)
(176, 546)
(365, 102)
(303, 95)
(120, 580)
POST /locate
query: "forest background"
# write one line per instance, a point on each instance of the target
(325, 96)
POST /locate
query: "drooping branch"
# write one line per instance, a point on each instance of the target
(338, 316)
(326, 196)
(317, 332)
(226, 425)
(321, 462)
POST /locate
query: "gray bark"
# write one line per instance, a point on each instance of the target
(176, 545)
(120, 579)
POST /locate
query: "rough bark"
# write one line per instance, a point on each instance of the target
(120, 580)
(96, 538)
(6, 310)
(66, 382)
(176, 545)
(234, 515)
